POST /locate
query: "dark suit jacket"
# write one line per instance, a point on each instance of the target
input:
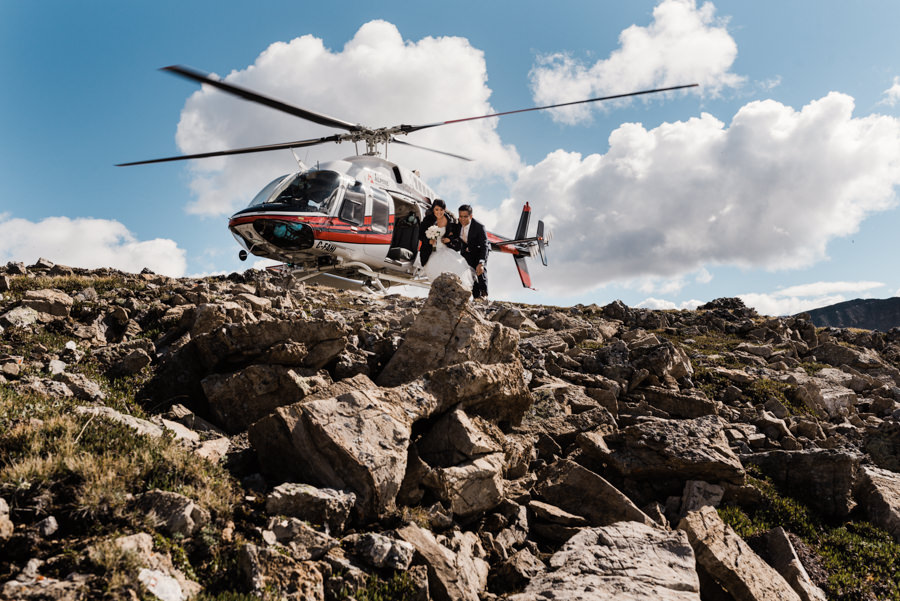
(477, 248)
(452, 232)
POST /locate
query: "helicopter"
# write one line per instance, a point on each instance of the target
(353, 223)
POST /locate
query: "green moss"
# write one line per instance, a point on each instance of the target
(398, 587)
(72, 284)
(711, 383)
(761, 390)
(862, 561)
(812, 368)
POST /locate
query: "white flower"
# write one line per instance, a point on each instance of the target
(433, 232)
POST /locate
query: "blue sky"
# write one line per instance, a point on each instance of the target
(777, 180)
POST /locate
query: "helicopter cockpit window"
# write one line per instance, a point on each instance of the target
(266, 192)
(354, 207)
(310, 192)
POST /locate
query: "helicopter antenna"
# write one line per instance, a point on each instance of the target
(300, 163)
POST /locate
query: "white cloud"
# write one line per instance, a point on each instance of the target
(88, 243)
(769, 191)
(684, 44)
(769, 304)
(804, 297)
(378, 79)
(661, 304)
(826, 288)
(892, 94)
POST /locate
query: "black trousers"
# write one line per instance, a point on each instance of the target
(479, 288)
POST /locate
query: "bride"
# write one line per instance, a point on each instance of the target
(439, 235)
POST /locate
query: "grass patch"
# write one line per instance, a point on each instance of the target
(812, 368)
(761, 390)
(399, 587)
(91, 466)
(72, 284)
(862, 561)
(712, 384)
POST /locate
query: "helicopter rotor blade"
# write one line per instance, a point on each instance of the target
(411, 128)
(246, 94)
(449, 154)
(247, 150)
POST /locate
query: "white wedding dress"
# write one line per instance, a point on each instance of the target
(444, 259)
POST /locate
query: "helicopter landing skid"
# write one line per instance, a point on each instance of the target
(370, 281)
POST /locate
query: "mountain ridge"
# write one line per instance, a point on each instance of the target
(865, 313)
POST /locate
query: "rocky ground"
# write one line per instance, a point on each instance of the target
(233, 438)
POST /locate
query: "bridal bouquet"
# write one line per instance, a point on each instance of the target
(433, 232)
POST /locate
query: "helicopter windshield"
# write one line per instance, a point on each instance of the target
(263, 194)
(312, 191)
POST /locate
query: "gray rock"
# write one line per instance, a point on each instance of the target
(453, 439)
(270, 571)
(382, 551)
(141, 426)
(325, 506)
(497, 391)
(693, 403)
(304, 541)
(173, 513)
(471, 487)
(515, 572)
(47, 527)
(699, 494)
(626, 560)
(823, 478)
(567, 484)
(781, 555)
(691, 449)
(51, 302)
(6, 525)
(82, 386)
(241, 398)
(879, 493)
(447, 331)
(452, 576)
(356, 441)
(730, 562)
(19, 317)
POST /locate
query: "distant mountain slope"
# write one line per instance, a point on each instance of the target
(869, 314)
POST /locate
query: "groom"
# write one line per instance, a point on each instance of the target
(474, 249)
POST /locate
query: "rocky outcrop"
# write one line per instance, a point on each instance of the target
(730, 562)
(485, 450)
(626, 560)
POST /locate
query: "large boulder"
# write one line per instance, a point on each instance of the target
(780, 554)
(568, 485)
(730, 562)
(448, 331)
(494, 391)
(824, 395)
(238, 399)
(242, 343)
(626, 560)
(459, 575)
(356, 441)
(669, 449)
(52, 302)
(324, 506)
(880, 495)
(823, 478)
